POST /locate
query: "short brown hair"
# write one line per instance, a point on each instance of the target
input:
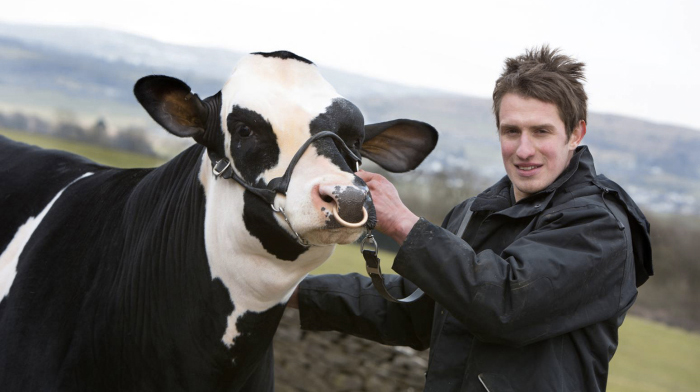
(546, 75)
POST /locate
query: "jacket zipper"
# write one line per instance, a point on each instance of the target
(620, 225)
(483, 383)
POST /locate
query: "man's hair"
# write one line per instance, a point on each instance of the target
(546, 75)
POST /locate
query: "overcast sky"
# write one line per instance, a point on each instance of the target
(642, 56)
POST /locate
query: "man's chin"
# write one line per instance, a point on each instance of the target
(525, 190)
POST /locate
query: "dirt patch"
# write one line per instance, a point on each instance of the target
(330, 361)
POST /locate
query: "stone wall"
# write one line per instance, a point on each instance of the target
(333, 362)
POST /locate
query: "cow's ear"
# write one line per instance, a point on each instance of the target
(399, 145)
(172, 104)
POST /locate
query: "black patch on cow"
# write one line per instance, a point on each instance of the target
(345, 119)
(260, 221)
(284, 55)
(253, 143)
(252, 352)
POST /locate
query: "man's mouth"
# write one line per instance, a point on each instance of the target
(527, 167)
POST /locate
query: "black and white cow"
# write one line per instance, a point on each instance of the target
(174, 278)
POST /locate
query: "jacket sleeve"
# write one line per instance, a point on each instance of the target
(350, 304)
(564, 275)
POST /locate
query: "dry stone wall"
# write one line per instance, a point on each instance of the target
(333, 362)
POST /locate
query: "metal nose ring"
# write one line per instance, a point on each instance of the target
(348, 224)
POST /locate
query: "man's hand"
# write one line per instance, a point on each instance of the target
(393, 217)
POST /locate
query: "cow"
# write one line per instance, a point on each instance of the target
(175, 278)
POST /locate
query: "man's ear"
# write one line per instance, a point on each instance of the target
(399, 145)
(172, 104)
(577, 135)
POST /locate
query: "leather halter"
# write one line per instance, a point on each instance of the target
(222, 167)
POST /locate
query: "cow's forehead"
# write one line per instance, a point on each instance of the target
(280, 90)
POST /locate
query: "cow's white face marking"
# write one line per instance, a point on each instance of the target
(10, 256)
(288, 94)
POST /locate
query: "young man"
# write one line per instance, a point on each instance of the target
(531, 297)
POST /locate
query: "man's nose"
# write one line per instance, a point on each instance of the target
(526, 148)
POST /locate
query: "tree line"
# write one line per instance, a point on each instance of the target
(131, 138)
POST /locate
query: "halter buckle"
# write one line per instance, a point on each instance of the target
(369, 239)
(217, 173)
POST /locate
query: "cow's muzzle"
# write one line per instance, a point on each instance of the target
(347, 204)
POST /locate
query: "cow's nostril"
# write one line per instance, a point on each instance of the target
(327, 199)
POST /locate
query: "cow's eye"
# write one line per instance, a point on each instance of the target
(244, 131)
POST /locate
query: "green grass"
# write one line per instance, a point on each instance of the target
(103, 155)
(651, 357)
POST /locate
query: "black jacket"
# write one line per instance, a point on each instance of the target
(530, 299)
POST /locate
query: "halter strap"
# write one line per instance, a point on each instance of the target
(222, 167)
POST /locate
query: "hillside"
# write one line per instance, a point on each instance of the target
(88, 73)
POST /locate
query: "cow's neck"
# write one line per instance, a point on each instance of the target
(257, 277)
(163, 289)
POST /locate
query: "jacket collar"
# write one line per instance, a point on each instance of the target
(498, 197)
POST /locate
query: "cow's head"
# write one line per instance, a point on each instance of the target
(270, 106)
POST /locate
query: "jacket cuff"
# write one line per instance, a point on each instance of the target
(416, 239)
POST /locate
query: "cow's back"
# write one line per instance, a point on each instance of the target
(30, 177)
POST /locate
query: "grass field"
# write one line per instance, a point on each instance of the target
(652, 357)
(103, 155)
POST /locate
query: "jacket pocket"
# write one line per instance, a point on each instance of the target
(495, 383)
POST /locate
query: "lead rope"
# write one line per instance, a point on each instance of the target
(374, 270)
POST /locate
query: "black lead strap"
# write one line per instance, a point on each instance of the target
(375, 272)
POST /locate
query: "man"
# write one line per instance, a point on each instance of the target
(531, 297)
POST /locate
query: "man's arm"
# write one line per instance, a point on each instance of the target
(565, 275)
(350, 304)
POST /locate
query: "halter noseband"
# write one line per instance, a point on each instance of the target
(222, 168)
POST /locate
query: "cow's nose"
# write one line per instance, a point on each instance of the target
(347, 203)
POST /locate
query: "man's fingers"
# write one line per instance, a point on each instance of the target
(368, 176)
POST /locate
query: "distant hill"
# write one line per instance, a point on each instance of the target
(90, 72)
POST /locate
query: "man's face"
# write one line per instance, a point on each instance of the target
(534, 144)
